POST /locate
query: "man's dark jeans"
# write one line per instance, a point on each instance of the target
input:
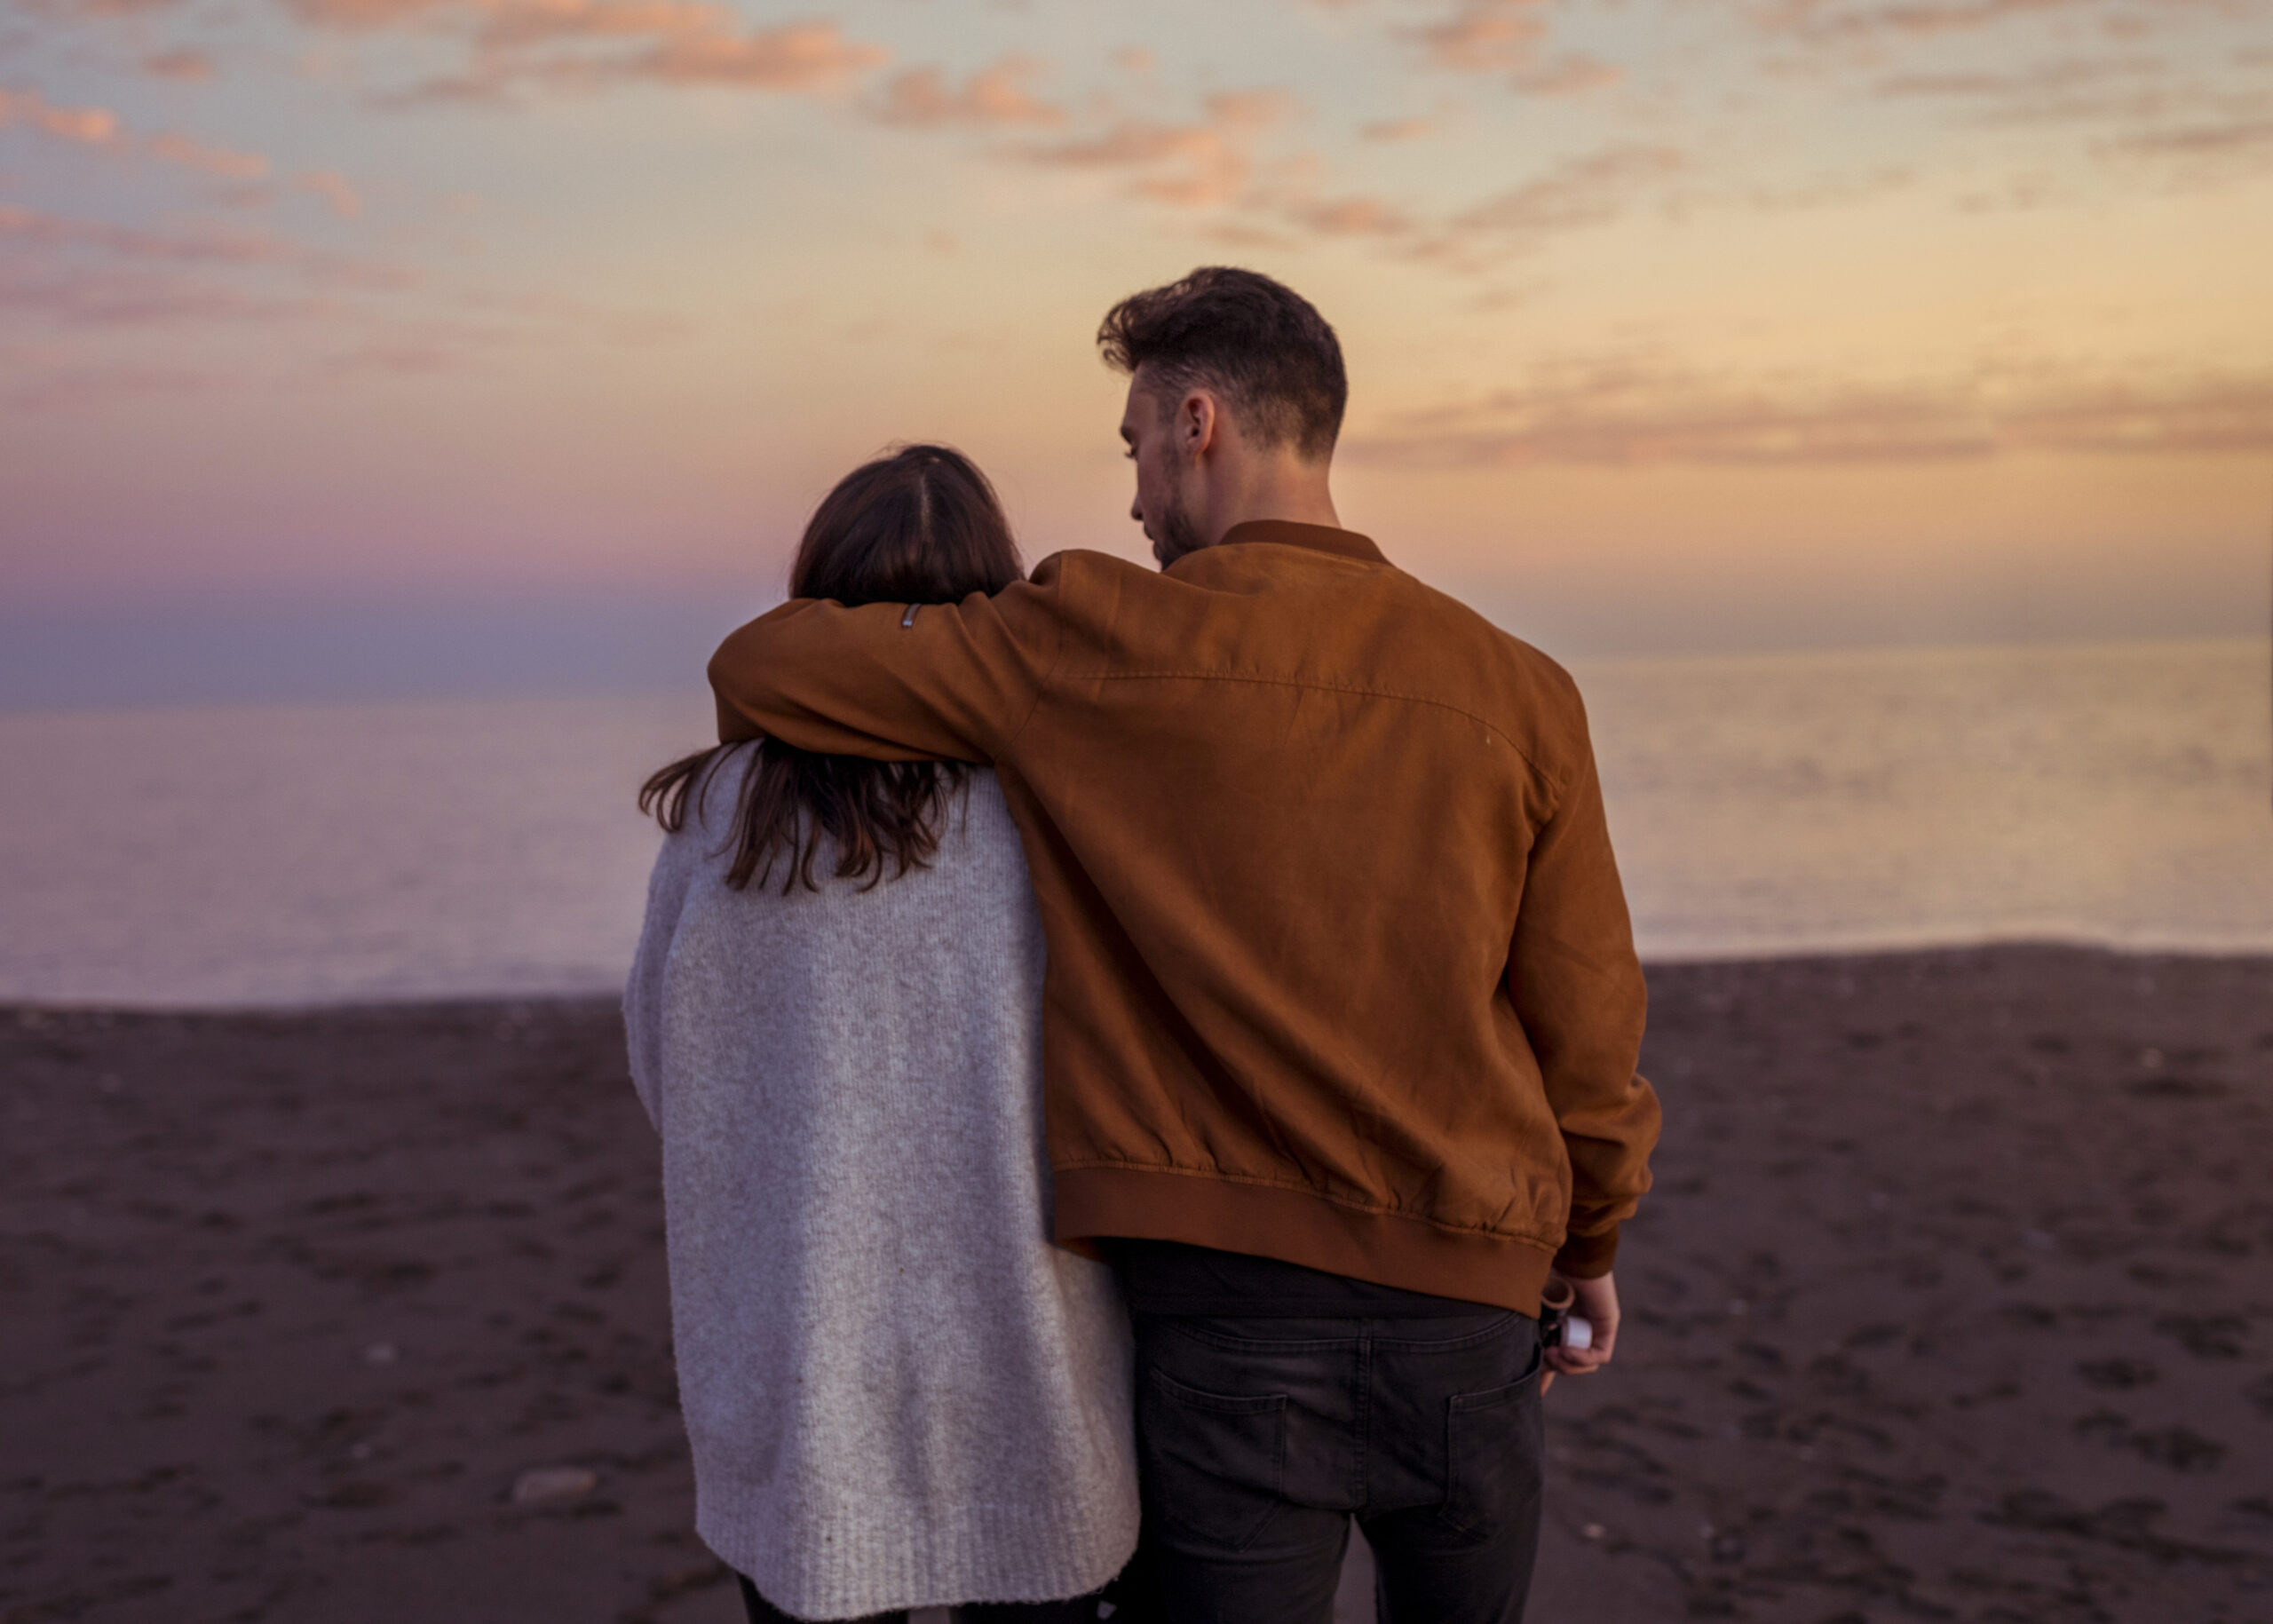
(1259, 1438)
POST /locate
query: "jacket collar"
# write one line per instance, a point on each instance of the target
(1317, 538)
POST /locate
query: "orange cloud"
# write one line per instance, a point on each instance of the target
(992, 98)
(1624, 413)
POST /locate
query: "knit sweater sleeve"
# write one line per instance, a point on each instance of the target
(668, 885)
(1577, 987)
(894, 681)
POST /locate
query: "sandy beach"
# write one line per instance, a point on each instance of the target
(1954, 1300)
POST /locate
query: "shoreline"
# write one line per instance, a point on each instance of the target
(1867, 956)
(1952, 1300)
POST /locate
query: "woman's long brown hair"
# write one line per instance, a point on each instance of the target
(921, 525)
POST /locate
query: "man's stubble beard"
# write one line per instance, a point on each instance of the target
(1179, 537)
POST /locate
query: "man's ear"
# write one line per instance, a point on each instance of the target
(1197, 421)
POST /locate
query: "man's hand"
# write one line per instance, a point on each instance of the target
(1597, 1305)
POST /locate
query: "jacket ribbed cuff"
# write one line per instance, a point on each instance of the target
(1586, 1257)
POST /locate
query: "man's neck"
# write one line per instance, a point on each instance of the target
(1301, 499)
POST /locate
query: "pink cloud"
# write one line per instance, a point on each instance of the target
(1624, 413)
(993, 97)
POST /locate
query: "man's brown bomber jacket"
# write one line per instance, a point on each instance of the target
(1340, 969)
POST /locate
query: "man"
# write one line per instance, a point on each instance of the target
(1343, 1008)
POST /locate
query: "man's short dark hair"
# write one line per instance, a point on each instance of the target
(1258, 343)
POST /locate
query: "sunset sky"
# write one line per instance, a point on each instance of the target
(1672, 324)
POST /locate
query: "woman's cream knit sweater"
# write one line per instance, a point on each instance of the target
(900, 1393)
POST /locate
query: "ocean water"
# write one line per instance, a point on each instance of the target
(1786, 804)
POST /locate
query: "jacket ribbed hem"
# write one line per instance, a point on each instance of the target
(882, 1558)
(1141, 1204)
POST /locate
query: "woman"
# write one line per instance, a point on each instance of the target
(900, 1393)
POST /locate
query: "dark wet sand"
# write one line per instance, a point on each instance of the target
(1955, 1302)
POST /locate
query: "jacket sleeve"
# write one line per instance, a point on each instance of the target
(894, 681)
(1577, 988)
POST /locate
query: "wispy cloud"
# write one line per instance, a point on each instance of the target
(1397, 130)
(1570, 76)
(101, 129)
(184, 62)
(336, 191)
(995, 97)
(1829, 19)
(1629, 413)
(221, 161)
(1508, 38)
(1577, 191)
(54, 234)
(2217, 138)
(514, 44)
(2059, 78)
(1203, 162)
(85, 126)
(1482, 36)
(1351, 217)
(57, 295)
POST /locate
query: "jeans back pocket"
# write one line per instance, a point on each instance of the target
(1213, 1464)
(1493, 1442)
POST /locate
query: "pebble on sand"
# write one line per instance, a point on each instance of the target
(542, 1484)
